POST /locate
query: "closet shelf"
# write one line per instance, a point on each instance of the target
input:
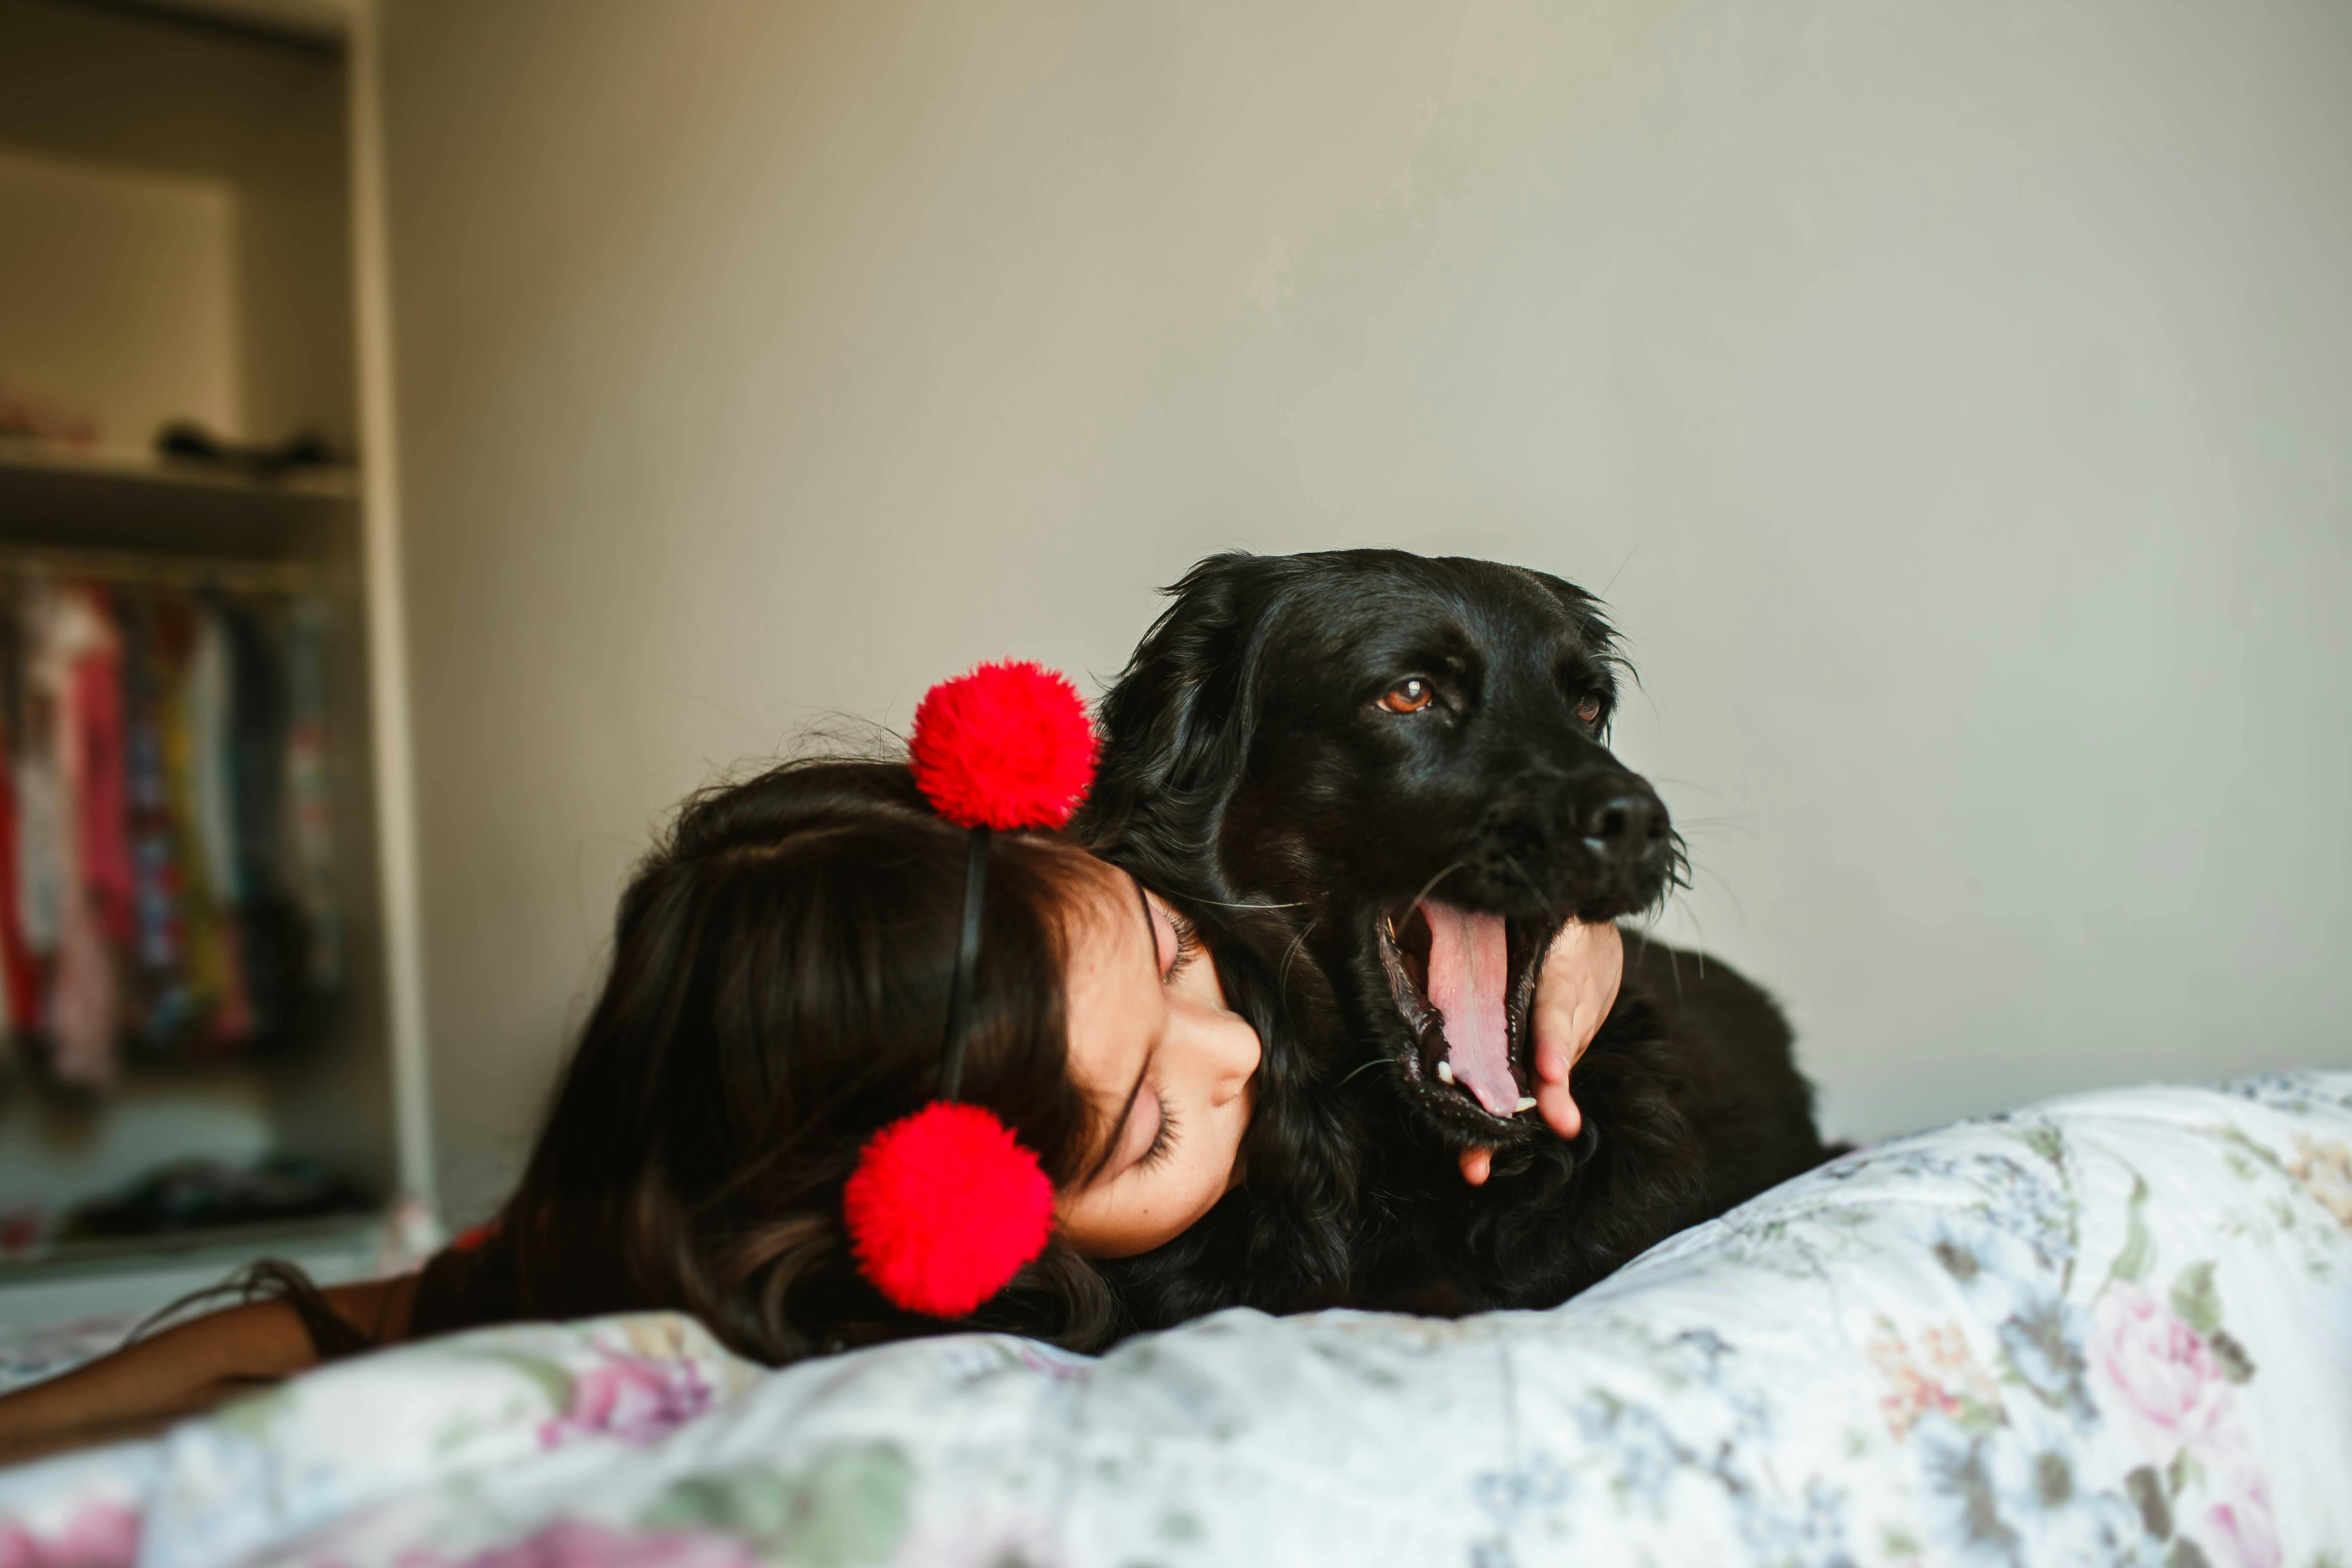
(74, 499)
(154, 569)
(115, 464)
(233, 1244)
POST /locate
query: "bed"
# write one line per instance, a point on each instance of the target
(2113, 1329)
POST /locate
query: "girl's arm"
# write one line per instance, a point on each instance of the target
(145, 1386)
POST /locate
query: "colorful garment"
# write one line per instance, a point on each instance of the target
(165, 844)
(310, 814)
(20, 999)
(154, 642)
(73, 665)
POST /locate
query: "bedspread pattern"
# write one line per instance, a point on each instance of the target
(2116, 1328)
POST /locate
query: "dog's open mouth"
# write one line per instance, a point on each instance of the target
(1464, 983)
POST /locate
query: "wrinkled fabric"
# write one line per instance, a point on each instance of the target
(2114, 1330)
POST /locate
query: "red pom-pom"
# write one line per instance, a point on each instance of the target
(474, 1237)
(1008, 745)
(944, 1208)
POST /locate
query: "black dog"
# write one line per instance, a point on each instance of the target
(1379, 781)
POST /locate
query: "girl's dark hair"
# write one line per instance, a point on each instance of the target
(778, 993)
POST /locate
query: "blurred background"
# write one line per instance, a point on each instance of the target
(564, 399)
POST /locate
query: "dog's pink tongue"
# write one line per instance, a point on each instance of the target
(1469, 967)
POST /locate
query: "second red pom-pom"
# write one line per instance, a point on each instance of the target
(944, 1208)
(1008, 745)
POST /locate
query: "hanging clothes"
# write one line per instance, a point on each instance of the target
(311, 853)
(40, 824)
(155, 637)
(204, 968)
(19, 975)
(73, 667)
(101, 809)
(269, 929)
(166, 843)
(209, 694)
(211, 712)
(19, 978)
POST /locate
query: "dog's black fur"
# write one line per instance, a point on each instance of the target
(1251, 773)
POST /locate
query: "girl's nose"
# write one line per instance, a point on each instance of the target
(1230, 1050)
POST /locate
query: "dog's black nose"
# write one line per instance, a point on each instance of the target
(1623, 824)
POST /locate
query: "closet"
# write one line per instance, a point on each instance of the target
(201, 1064)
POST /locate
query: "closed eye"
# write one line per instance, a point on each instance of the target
(1164, 1142)
(1188, 943)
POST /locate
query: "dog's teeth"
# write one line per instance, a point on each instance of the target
(1527, 1102)
(1444, 1072)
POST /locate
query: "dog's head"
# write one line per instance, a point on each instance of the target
(1406, 756)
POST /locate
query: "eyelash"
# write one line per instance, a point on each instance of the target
(1188, 943)
(1163, 1143)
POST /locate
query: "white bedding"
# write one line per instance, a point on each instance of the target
(2116, 1328)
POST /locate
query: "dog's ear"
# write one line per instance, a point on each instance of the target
(1179, 720)
(1592, 628)
(1592, 620)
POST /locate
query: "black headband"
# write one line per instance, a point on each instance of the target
(975, 883)
(946, 1206)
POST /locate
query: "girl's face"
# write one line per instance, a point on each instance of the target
(1168, 1067)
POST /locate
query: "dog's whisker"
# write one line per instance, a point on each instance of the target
(1689, 784)
(1289, 956)
(1427, 887)
(1728, 892)
(1512, 861)
(1699, 931)
(1748, 827)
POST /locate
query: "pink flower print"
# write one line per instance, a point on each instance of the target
(99, 1535)
(2162, 1373)
(2238, 1532)
(575, 1543)
(630, 1398)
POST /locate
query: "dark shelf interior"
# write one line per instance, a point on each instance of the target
(71, 501)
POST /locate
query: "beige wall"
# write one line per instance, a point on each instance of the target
(96, 104)
(1953, 400)
(118, 298)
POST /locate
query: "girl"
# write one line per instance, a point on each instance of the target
(784, 968)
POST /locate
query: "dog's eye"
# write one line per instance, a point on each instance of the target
(1588, 710)
(1408, 696)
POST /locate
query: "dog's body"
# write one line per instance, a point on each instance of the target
(1379, 782)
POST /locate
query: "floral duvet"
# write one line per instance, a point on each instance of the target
(2116, 1328)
